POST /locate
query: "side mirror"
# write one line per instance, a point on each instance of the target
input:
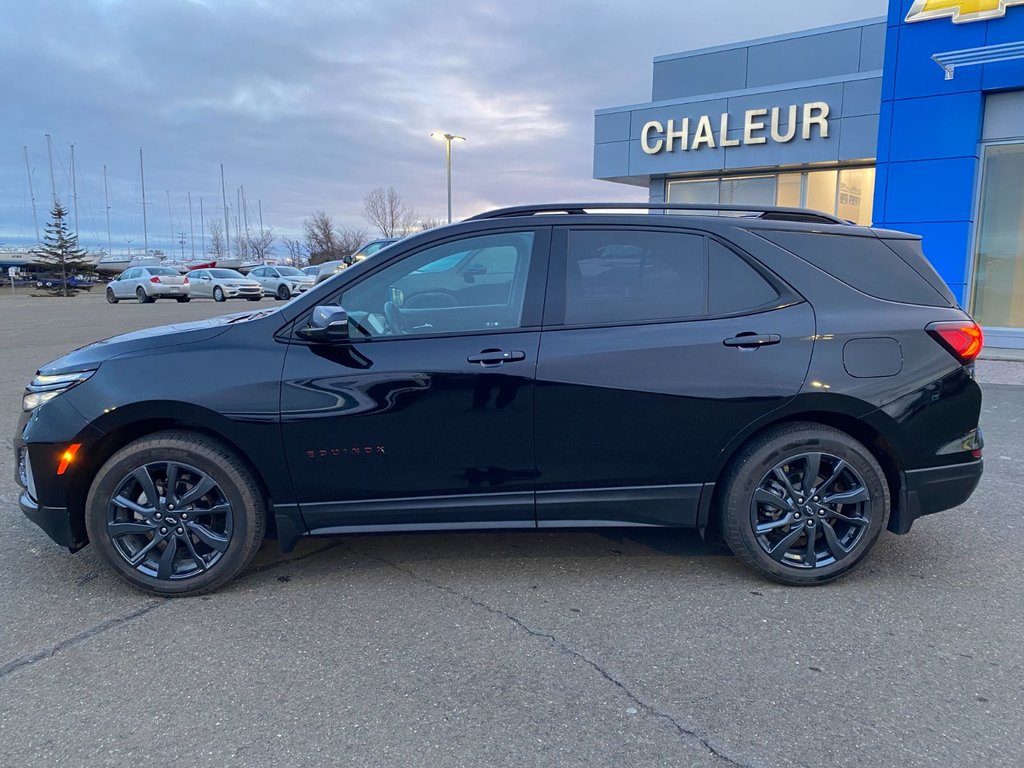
(327, 324)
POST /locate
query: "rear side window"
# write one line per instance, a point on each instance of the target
(864, 263)
(911, 252)
(615, 276)
(733, 285)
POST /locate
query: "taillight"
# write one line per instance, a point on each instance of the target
(186, 281)
(964, 340)
(154, 279)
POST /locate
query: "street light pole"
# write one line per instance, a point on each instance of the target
(448, 139)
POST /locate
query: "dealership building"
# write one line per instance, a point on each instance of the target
(912, 122)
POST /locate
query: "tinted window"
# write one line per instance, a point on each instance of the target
(634, 275)
(289, 272)
(734, 285)
(225, 274)
(864, 263)
(256, 272)
(464, 296)
(162, 271)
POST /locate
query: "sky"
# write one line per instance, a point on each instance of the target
(310, 104)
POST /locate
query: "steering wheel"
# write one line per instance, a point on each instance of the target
(398, 324)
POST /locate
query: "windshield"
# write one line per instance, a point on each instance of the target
(226, 274)
(290, 272)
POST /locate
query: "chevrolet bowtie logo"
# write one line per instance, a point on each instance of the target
(962, 11)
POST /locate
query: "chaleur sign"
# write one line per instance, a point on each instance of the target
(778, 124)
(962, 11)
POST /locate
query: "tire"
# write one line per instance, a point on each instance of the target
(218, 294)
(283, 294)
(141, 297)
(255, 298)
(111, 298)
(773, 465)
(184, 299)
(225, 541)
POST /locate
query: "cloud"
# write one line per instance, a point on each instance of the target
(310, 104)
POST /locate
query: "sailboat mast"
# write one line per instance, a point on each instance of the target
(170, 220)
(74, 188)
(224, 200)
(260, 204)
(106, 200)
(31, 194)
(49, 154)
(202, 229)
(145, 226)
(243, 244)
(191, 229)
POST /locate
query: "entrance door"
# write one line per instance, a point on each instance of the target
(425, 416)
(998, 296)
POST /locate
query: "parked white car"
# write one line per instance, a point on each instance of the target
(223, 284)
(281, 282)
(147, 284)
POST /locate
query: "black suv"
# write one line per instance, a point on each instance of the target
(778, 376)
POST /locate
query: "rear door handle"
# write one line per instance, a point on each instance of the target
(496, 357)
(752, 340)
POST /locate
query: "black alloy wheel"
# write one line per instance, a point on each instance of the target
(283, 294)
(803, 503)
(111, 298)
(176, 514)
(169, 520)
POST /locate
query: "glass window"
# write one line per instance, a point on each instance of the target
(856, 194)
(471, 284)
(289, 272)
(225, 274)
(617, 276)
(162, 271)
(734, 285)
(754, 190)
(821, 191)
(790, 190)
(693, 192)
(999, 261)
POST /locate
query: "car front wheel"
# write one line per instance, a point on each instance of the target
(176, 514)
(804, 504)
(218, 294)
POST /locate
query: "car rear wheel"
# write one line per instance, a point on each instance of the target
(218, 294)
(804, 504)
(176, 514)
(184, 299)
(111, 298)
(141, 297)
(283, 293)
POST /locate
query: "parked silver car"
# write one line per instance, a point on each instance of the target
(147, 284)
(223, 284)
(281, 282)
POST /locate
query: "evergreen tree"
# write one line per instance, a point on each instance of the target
(59, 250)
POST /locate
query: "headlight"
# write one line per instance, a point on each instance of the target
(44, 388)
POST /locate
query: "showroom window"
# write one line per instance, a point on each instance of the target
(847, 192)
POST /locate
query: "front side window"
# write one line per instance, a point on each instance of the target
(623, 276)
(470, 284)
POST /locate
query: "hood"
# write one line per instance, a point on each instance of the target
(92, 355)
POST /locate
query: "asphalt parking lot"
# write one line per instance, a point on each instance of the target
(519, 649)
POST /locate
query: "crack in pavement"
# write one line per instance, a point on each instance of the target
(567, 650)
(31, 658)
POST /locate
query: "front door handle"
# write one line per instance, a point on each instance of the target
(491, 357)
(752, 340)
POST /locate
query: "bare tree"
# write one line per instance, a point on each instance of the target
(296, 250)
(262, 244)
(349, 240)
(422, 225)
(216, 239)
(385, 209)
(321, 237)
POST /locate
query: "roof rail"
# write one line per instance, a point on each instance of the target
(761, 211)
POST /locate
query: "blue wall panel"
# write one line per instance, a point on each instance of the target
(938, 127)
(930, 190)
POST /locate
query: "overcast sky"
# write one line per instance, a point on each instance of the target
(309, 104)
